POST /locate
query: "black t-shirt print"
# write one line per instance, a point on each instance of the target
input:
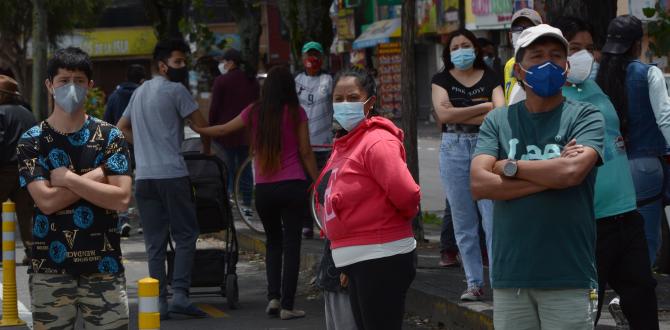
(462, 96)
(82, 238)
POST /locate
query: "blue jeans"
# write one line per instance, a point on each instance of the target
(648, 179)
(456, 154)
(234, 158)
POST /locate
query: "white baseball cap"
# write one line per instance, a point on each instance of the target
(529, 35)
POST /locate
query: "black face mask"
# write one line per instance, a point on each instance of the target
(177, 75)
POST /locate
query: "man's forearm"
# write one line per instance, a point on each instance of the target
(100, 194)
(60, 198)
(557, 173)
(488, 185)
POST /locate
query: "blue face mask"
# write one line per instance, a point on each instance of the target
(489, 61)
(545, 79)
(463, 58)
(594, 71)
(349, 114)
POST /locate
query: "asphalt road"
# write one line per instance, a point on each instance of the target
(250, 314)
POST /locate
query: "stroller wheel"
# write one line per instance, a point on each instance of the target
(232, 291)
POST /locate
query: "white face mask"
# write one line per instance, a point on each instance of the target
(222, 68)
(580, 66)
(594, 71)
(515, 39)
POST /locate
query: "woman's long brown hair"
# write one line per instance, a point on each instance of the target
(278, 92)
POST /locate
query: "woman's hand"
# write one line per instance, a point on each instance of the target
(211, 131)
(344, 280)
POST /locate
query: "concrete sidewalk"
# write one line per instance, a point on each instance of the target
(435, 293)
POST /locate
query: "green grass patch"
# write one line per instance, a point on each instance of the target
(431, 218)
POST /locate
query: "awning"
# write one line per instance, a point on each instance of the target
(378, 33)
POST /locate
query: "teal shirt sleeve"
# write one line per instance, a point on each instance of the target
(487, 141)
(590, 130)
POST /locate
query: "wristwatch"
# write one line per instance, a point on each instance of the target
(510, 168)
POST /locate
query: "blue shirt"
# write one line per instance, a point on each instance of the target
(614, 190)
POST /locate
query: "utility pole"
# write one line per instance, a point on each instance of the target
(38, 94)
(409, 108)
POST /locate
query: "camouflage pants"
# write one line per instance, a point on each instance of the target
(100, 299)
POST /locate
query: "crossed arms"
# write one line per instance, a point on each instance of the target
(473, 115)
(487, 181)
(65, 187)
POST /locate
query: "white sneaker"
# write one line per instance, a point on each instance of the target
(273, 307)
(288, 314)
(617, 313)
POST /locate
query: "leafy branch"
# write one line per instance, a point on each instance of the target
(659, 30)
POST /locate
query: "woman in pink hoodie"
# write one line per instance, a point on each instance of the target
(369, 200)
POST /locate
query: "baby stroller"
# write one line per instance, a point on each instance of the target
(212, 267)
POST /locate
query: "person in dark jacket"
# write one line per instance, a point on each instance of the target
(118, 100)
(116, 104)
(15, 119)
(233, 91)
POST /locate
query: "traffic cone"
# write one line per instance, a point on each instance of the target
(148, 316)
(10, 311)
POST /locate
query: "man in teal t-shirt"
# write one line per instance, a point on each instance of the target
(544, 271)
(621, 248)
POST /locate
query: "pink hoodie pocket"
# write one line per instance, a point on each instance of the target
(335, 225)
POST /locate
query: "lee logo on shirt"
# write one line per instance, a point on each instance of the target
(533, 152)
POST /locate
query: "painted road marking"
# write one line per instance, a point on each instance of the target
(212, 311)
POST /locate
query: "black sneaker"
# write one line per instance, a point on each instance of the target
(125, 230)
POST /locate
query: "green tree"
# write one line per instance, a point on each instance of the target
(16, 28)
(597, 12)
(247, 15)
(166, 16)
(306, 20)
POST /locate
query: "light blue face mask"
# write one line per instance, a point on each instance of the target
(70, 97)
(349, 114)
(594, 71)
(463, 58)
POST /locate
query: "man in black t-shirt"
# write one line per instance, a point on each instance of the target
(76, 168)
(14, 120)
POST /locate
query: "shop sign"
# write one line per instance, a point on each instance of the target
(346, 29)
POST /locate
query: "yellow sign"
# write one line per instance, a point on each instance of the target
(133, 41)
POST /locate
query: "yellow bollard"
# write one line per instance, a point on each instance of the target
(10, 311)
(148, 316)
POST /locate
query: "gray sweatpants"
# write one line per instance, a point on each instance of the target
(338, 311)
(166, 206)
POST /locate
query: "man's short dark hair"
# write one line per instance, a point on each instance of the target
(136, 73)
(539, 41)
(164, 49)
(71, 58)
(570, 26)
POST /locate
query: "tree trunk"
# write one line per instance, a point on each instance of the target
(39, 95)
(247, 14)
(165, 15)
(598, 13)
(307, 20)
(408, 92)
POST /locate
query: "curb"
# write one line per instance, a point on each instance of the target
(251, 241)
(419, 302)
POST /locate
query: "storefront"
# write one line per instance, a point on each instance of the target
(112, 51)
